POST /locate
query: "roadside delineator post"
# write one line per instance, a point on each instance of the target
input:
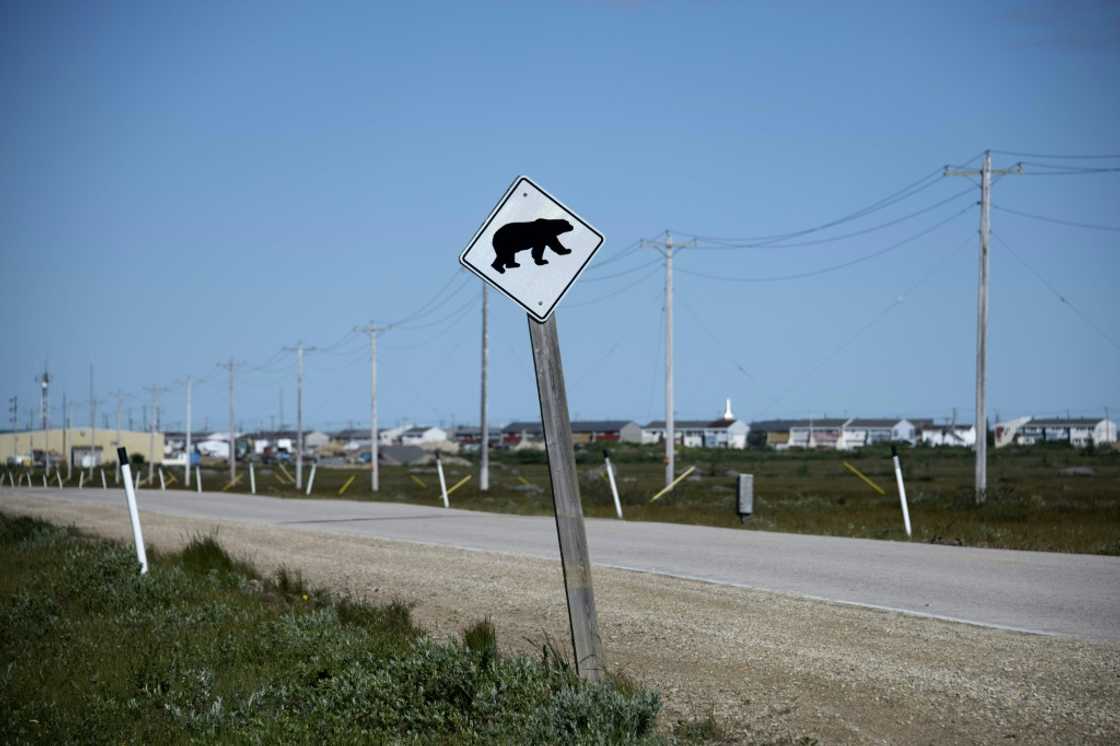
(614, 487)
(311, 479)
(442, 481)
(58, 476)
(162, 481)
(81, 479)
(901, 490)
(198, 479)
(104, 484)
(252, 479)
(133, 511)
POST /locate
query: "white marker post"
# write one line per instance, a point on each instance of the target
(133, 511)
(81, 479)
(198, 478)
(901, 490)
(58, 476)
(44, 480)
(252, 479)
(442, 481)
(311, 479)
(614, 487)
(104, 484)
(162, 482)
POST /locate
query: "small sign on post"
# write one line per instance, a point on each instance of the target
(744, 506)
(560, 243)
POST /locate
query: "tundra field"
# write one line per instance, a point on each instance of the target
(1047, 498)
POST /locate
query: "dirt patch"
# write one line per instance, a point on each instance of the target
(771, 667)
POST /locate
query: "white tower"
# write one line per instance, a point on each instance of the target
(727, 416)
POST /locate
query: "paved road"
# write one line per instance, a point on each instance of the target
(1075, 595)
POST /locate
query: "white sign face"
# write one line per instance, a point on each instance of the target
(532, 248)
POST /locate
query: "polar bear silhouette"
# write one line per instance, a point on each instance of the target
(536, 235)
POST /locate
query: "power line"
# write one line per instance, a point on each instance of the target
(908, 191)
(1066, 169)
(618, 291)
(1058, 220)
(1057, 157)
(1059, 295)
(843, 236)
(834, 267)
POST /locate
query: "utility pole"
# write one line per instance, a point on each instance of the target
(153, 423)
(189, 381)
(483, 425)
(666, 248)
(44, 382)
(231, 366)
(985, 173)
(299, 349)
(120, 396)
(372, 330)
(65, 431)
(92, 422)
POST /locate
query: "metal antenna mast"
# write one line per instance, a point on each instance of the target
(985, 173)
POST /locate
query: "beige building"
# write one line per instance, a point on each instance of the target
(19, 447)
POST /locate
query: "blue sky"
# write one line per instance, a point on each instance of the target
(184, 183)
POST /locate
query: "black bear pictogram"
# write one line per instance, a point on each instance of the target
(536, 235)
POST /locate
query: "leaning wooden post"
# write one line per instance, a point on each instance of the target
(133, 511)
(614, 487)
(570, 530)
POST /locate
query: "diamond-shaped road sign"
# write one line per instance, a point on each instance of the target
(532, 248)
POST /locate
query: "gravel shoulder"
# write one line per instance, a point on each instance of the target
(770, 667)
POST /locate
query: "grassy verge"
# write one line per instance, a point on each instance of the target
(1049, 498)
(205, 649)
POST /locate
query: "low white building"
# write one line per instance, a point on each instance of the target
(823, 433)
(726, 432)
(421, 435)
(1079, 432)
(948, 435)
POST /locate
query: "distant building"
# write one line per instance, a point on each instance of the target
(725, 432)
(860, 432)
(951, 434)
(822, 433)
(422, 434)
(523, 433)
(1078, 432)
(770, 433)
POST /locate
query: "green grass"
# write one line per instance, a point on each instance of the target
(204, 649)
(1031, 505)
